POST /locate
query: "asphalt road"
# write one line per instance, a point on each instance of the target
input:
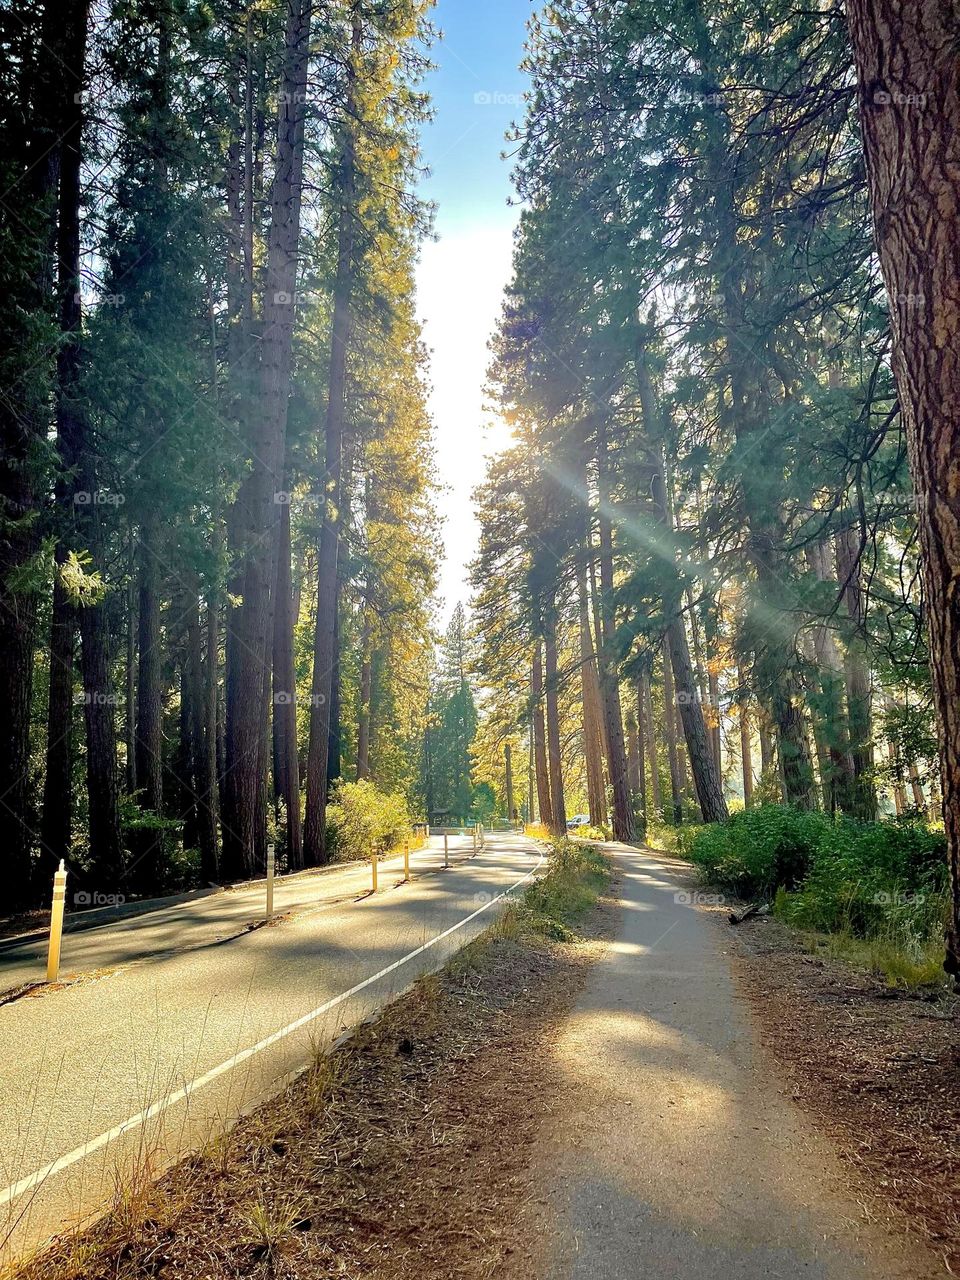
(177, 1025)
(674, 1151)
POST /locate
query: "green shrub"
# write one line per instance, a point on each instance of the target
(759, 850)
(363, 820)
(883, 880)
(884, 883)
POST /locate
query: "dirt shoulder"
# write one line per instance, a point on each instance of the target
(876, 1067)
(404, 1153)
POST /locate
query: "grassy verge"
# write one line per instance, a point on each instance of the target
(873, 893)
(400, 1153)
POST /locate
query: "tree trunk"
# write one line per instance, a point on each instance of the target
(633, 752)
(58, 779)
(558, 810)
(366, 691)
(656, 793)
(540, 738)
(508, 778)
(642, 734)
(203, 781)
(700, 750)
(211, 721)
(30, 204)
(859, 685)
(746, 750)
(325, 640)
(286, 761)
(706, 779)
(590, 696)
(669, 702)
(623, 828)
(257, 515)
(149, 676)
(907, 66)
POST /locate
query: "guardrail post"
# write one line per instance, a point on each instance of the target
(446, 849)
(373, 865)
(56, 923)
(406, 860)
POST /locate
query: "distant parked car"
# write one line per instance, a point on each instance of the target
(578, 820)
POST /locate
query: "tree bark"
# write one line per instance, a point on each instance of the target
(149, 676)
(508, 778)
(366, 691)
(669, 702)
(286, 761)
(257, 517)
(558, 809)
(700, 749)
(540, 737)
(907, 69)
(203, 782)
(656, 793)
(325, 640)
(623, 826)
(859, 685)
(642, 735)
(746, 750)
(590, 696)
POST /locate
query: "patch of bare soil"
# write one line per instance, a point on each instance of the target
(403, 1154)
(878, 1068)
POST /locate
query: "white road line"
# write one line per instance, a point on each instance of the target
(17, 1189)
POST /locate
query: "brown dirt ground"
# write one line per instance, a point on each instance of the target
(877, 1068)
(404, 1153)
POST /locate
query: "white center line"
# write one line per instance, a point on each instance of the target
(17, 1189)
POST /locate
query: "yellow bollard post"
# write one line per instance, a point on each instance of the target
(56, 923)
(271, 868)
(373, 865)
(406, 860)
(446, 850)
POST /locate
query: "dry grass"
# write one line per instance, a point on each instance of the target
(404, 1153)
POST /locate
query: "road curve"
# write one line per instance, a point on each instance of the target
(149, 1059)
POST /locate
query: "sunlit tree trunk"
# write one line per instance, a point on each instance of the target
(670, 728)
(558, 810)
(325, 641)
(590, 695)
(907, 67)
(258, 512)
(623, 827)
(540, 737)
(286, 762)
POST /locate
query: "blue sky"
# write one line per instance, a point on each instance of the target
(477, 91)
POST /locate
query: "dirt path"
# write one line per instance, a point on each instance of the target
(673, 1151)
